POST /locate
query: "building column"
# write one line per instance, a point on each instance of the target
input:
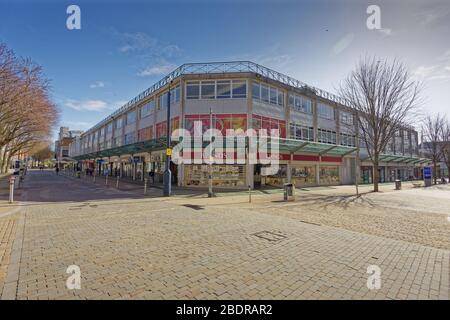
(289, 169)
(180, 174)
(317, 174)
(249, 169)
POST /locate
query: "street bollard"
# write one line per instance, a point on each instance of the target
(117, 182)
(11, 189)
(145, 186)
(249, 194)
(106, 180)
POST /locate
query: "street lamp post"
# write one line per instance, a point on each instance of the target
(211, 159)
(167, 177)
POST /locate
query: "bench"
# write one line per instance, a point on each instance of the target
(417, 184)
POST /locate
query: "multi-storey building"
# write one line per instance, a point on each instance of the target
(62, 145)
(317, 130)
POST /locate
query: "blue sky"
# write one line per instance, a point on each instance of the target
(123, 47)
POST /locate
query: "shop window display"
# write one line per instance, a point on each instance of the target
(329, 175)
(303, 176)
(277, 179)
(223, 175)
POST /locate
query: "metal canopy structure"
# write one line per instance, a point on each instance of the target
(401, 159)
(134, 148)
(315, 148)
(284, 145)
(291, 146)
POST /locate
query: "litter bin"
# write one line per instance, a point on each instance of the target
(289, 192)
(398, 184)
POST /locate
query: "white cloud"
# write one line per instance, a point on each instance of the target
(434, 15)
(342, 44)
(440, 70)
(445, 56)
(433, 72)
(77, 125)
(271, 57)
(97, 84)
(87, 105)
(156, 70)
(145, 44)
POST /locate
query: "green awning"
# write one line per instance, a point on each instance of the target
(285, 145)
(401, 159)
(316, 148)
(133, 148)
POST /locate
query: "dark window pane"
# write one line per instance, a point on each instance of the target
(239, 89)
(208, 90)
(223, 89)
(192, 91)
(256, 91)
(264, 93)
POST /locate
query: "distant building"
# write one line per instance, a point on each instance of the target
(65, 138)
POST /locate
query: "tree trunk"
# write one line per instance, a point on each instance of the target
(2, 156)
(435, 171)
(4, 164)
(8, 162)
(375, 175)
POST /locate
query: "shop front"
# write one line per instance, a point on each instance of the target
(223, 175)
(329, 175)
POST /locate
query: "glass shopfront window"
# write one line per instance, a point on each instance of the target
(223, 175)
(278, 179)
(329, 175)
(303, 176)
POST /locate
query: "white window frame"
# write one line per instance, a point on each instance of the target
(325, 116)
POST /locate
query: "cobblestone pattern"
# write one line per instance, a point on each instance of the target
(158, 249)
(7, 234)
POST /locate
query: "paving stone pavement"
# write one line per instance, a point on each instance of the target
(7, 232)
(131, 247)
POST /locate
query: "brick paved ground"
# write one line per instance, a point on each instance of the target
(128, 246)
(7, 233)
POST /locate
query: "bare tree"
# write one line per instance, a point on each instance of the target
(385, 98)
(27, 115)
(446, 147)
(433, 130)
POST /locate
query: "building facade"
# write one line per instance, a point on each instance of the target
(318, 140)
(62, 145)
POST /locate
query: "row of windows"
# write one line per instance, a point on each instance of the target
(325, 111)
(347, 140)
(300, 103)
(220, 89)
(175, 96)
(131, 117)
(267, 94)
(129, 138)
(347, 118)
(147, 109)
(301, 132)
(326, 136)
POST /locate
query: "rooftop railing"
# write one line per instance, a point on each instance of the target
(220, 68)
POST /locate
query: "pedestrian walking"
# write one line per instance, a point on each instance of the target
(152, 176)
